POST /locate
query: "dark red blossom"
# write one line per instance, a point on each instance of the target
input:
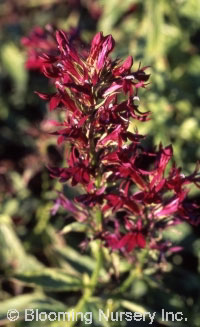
(128, 242)
(131, 240)
(138, 192)
(79, 213)
(42, 46)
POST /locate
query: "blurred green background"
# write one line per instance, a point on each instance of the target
(39, 267)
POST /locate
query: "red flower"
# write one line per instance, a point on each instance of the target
(129, 185)
(131, 240)
(127, 242)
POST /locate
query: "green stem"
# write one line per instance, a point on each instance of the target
(95, 274)
(134, 274)
(99, 220)
(88, 292)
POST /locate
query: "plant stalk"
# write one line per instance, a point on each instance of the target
(88, 292)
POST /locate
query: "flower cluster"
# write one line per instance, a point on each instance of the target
(43, 40)
(129, 194)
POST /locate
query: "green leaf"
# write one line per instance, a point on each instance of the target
(12, 253)
(31, 301)
(133, 306)
(73, 227)
(13, 61)
(176, 234)
(112, 11)
(80, 262)
(139, 308)
(51, 279)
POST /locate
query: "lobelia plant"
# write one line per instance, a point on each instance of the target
(130, 195)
